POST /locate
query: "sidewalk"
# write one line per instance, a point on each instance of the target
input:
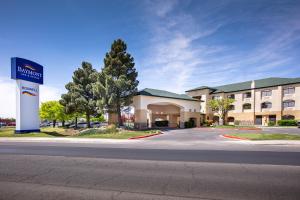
(127, 141)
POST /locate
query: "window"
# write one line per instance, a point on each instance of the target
(289, 90)
(231, 96)
(266, 105)
(215, 97)
(247, 106)
(266, 93)
(247, 95)
(231, 107)
(288, 117)
(230, 119)
(288, 103)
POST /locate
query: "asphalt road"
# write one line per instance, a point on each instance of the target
(36, 171)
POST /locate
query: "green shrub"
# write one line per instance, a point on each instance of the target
(103, 130)
(271, 123)
(208, 122)
(287, 122)
(112, 128)
(189, 124)
(162, 123)
(237, 122)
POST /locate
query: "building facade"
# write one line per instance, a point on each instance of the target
(151, 105)
(257, 102)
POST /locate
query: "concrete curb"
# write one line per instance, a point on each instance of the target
(262, 142)
(145, 136)
(233, 137)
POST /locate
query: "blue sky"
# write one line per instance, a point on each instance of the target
(177, 45)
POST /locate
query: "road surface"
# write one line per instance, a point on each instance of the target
(50, 171)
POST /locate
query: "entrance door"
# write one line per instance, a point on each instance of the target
(258, 120)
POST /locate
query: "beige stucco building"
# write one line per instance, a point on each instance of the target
(152, 105)
(256, 102)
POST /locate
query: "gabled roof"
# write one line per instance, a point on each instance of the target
(164, 93)
(260, 83)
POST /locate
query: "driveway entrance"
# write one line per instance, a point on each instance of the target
(190, 135)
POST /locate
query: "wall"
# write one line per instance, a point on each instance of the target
(148, 107)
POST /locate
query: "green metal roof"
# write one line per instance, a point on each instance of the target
(260, 83)
(163, 93)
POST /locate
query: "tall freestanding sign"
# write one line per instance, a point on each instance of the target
(28, 76)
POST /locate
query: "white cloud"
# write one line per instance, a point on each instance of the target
(48, 93)
(161, 8)
(8, 96)
(172, 56)
(177, 59)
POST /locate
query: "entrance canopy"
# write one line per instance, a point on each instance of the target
(151, 105)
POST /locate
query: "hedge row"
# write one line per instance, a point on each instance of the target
(189, 124)
(287, 122)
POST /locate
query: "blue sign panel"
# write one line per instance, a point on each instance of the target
(26, 70)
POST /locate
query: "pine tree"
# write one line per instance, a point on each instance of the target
(117, 83)
(80, 97)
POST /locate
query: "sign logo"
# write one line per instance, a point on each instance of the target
(29, 67)
(29, 91)
(26, 70)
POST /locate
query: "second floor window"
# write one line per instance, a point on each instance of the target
(266, 105)
(288, 104)
(266, 93)
(247, 95)
(247, 106)
(215, 97)
(289, 90)
(231, 96)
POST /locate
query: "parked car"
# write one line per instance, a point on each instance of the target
(79, 125)
(298, 124)
(44, 124)
(11, 124)
(95, 124)
(2, 124)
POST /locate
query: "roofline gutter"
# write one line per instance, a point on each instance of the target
(168, 97)
(251, 88)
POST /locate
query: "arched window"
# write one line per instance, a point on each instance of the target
(288, 117)
(231, 107)
(230, 119)
(216, 119)
(266, 105)
(247, 106)
(288, 104)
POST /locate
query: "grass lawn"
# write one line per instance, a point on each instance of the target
(232, 126)
(45, 132)
(224, 126)
(269, 136)
(119, 135)
(61, 132)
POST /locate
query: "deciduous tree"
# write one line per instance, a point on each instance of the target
(221, 106)
(52, 111)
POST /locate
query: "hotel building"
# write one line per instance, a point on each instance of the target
(256, 102)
